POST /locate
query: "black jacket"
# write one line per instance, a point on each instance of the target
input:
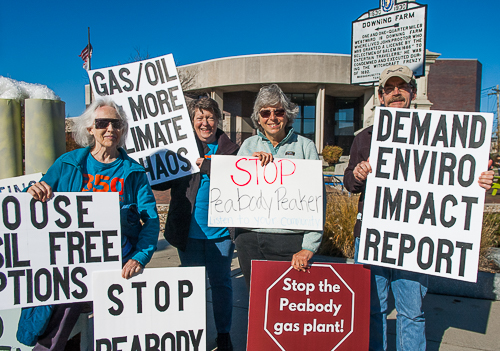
(360, 151)
(183, 193)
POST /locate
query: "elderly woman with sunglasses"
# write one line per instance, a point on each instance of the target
(273, 116)
(102, 166)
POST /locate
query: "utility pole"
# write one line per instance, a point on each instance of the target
(497, 93)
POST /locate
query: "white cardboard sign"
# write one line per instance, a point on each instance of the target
(161, 136)
(423, 205)
(17, 184)
(49, 250)
(160, 309)
(286, 193)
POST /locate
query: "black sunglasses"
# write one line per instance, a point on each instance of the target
(279, 112)
(103, 123)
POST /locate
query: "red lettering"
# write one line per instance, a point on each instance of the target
(289, 174)
(113, 185)
(87, 182)
(275, 172)
(244, 170)
(98, 182)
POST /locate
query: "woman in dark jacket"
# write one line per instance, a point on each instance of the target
(187, 222)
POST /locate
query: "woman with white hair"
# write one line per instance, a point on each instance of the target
(102, 165)
(273, 116)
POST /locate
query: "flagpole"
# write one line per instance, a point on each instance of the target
(89, 46)
(88, 67)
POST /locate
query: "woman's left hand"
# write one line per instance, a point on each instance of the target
(131, 268)
(486, 179)
(199, 161)
(300, 260)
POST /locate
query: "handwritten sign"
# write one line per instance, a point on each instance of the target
(160, 134)
(286, 193)
(49, 250)
(326, 308)
(160, 309)
(18, 184)
(423, 205)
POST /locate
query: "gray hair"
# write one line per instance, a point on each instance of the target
(204, 103)
(272, 95)
(86, 120)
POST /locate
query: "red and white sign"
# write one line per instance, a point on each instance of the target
(326, 308)
(286, 193)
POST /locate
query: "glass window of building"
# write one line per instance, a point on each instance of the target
(305, 122)
(345, 124)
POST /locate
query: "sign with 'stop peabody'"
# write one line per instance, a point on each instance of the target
(423, 205)
(49, 250)
(160, 135)
(326, 308)
(159, 309)
(286, 193)
(17, 184)
(393, 35)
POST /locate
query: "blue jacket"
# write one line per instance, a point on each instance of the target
(66, 175)
(139, 204)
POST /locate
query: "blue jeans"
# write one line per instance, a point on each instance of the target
(409, 290)
(216, 256)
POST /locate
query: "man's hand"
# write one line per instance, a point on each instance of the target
(131, 268)
(362, 170)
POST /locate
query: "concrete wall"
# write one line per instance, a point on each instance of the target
(270, 68)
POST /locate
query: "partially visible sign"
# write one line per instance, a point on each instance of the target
(159, 309)
(286, 193)
(8, 328)
(17, 184)
(394, 34)
(326, 308)
(161, 136)
(49, 250)
(423, 206)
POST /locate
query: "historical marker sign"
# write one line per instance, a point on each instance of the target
(394, 34)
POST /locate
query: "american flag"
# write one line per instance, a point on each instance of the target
(85, 55)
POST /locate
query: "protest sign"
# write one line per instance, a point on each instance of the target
(8, 330)
(17, 184)
(160, 135)
(160, 309)
(49, 250)
(326, 308)
(286, 193)
(423, 205)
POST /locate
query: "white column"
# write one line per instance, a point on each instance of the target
(320, 117)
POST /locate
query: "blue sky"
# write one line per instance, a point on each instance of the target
(40, 40)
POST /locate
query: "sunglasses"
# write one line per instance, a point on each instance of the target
(103, 123)
(279, 112)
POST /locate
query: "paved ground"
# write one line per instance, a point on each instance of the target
(453, 323)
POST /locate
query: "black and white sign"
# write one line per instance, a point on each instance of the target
(161, 136)
(49, 250)
(392, 35)
(18, 184)
(160, 309)
(423, 205)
